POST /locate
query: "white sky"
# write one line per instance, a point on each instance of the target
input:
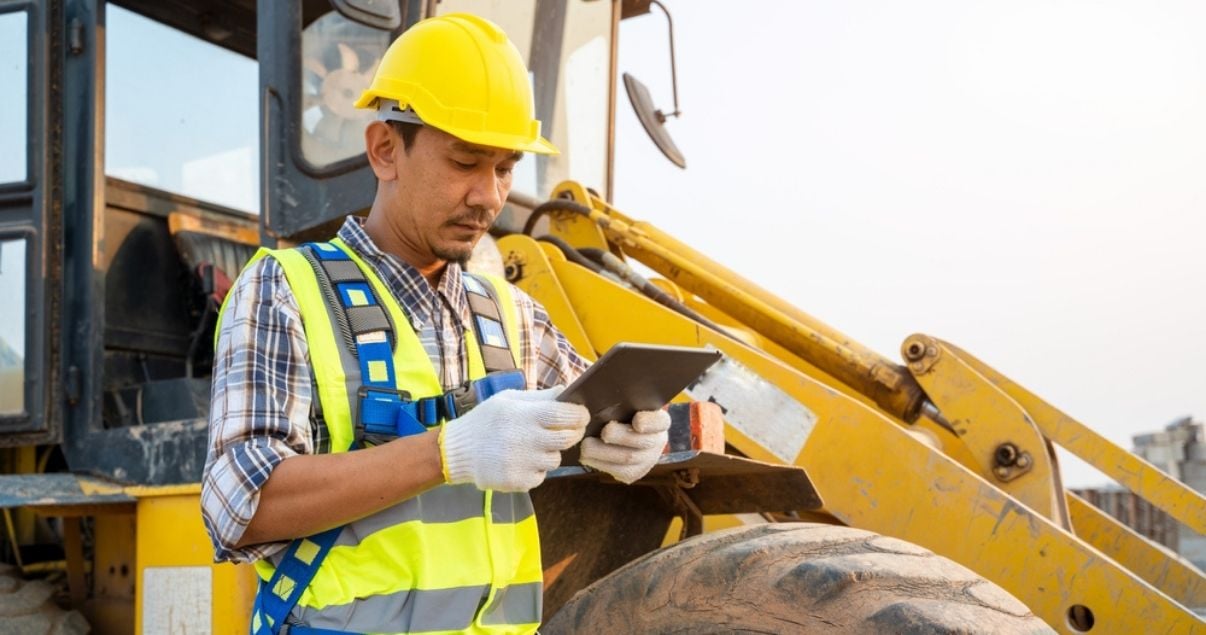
(1023, 179)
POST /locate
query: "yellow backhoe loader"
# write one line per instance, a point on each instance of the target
(851, 492)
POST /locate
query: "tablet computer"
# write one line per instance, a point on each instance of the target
(634, 377)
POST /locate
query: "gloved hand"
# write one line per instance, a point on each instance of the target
(509, 441)
(628, 451)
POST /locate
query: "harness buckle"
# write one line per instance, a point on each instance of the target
(387, 411)
(465, 397)
(460, 400)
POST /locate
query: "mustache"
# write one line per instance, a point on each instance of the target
(477, 216)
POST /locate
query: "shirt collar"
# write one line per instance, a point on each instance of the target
(408, 285)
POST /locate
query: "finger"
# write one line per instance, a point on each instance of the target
(617, 433)
(521, 482)
(651, 421)
(532, 480)
(595, 449)
(604, 466)
(557, 440)
(547, 394)
(545, 461)
(555, 415)
(627, 474)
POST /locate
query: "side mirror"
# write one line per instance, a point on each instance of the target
(652, 119)
(379, 14)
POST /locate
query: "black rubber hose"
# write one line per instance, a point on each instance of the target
(571, 254)
(555, 205)
(605, 260)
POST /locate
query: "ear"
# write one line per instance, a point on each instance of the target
(380, 145)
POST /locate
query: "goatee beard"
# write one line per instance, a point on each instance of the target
(459, 256)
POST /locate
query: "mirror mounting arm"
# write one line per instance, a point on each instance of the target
(673, 69)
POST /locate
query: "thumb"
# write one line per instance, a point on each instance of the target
(651, 421)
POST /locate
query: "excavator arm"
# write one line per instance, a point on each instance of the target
(940, 450)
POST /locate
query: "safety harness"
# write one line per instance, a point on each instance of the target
(382, 411)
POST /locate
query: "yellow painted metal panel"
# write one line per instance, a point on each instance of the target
(890, 483)
(171, 542)
(877, 475)
(884, 381)
(111, 607)
(1132, 472)
(539, 282)
(572, 228)
(985, 418)
(643, 320)
(1162, 568)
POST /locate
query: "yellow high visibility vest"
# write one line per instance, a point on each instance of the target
(453, 559)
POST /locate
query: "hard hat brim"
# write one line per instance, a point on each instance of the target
(539, 145)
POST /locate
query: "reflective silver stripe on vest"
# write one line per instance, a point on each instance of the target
(515, 604)
(510, 507)
(444, 504)
(402, 612)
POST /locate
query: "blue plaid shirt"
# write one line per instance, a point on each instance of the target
(262, 409)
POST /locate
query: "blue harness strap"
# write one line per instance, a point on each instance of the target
(382, 409)
(277, 597)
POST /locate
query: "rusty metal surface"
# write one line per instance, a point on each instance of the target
(156, 454)
(46, 490)
(590, 525)
(726, 484)
(633, 8)
(589, 529)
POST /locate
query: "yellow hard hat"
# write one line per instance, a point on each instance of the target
(460, 73)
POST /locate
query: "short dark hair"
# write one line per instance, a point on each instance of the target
(407, 131)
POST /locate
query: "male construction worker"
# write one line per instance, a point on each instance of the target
(379, 415)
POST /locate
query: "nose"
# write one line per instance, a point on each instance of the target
(487, 191)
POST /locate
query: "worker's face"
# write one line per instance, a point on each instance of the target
(445, 193)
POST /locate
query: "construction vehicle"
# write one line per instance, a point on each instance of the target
(841, 471)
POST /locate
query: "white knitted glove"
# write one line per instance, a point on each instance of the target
(628, 452)
(509, 441)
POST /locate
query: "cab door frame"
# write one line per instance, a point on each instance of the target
(30, 212)
(296, 195)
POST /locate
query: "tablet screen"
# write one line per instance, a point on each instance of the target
(634, 377)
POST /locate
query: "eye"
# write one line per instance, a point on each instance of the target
(504, 170)
(464, 166)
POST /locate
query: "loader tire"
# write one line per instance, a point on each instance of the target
(793, 578)
(27, 608)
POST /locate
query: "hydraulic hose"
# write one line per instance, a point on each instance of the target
(555, 205)
(571, 254)
(625, 271)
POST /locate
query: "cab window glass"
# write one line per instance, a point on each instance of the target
(12, 327)
(181, 114)
(14, 97)
(339, 58)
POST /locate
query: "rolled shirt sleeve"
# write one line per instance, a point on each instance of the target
(260, 408)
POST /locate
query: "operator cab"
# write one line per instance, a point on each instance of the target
(171, 142)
